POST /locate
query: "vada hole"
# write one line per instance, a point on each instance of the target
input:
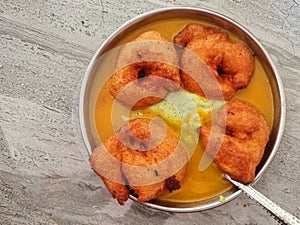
(141, 74)
(220, 70)
(229, 132)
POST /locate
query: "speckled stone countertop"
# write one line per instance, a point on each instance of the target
(45, 47)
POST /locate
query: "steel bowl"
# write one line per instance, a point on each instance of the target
(91, 82)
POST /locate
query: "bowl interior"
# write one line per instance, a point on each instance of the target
(92, 83)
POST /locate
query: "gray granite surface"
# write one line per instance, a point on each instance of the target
(45, 47)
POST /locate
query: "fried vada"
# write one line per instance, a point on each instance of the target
(231, 64)
(194, 30)
(147, 68)
(142, 158)
(244, 141)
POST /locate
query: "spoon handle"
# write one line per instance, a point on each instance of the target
(280, 214)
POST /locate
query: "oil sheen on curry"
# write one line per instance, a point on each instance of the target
(256, 92)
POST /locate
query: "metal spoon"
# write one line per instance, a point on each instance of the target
(282, 216)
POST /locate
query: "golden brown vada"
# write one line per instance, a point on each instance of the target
(194, 30)
(139, 65)
(244, 141)
(231, 63)
(130, 162)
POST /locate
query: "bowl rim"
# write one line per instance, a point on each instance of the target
(158, 11)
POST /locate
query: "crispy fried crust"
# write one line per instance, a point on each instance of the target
(246, 136)
(108, 166)
(144, 163)
(147, 57)
(193, 30)
(231, 64)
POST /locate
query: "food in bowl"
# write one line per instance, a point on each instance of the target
(242, 146)
(230, 62)
(137, 66)
(148, 56)
(135, 161)
(100, 115)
